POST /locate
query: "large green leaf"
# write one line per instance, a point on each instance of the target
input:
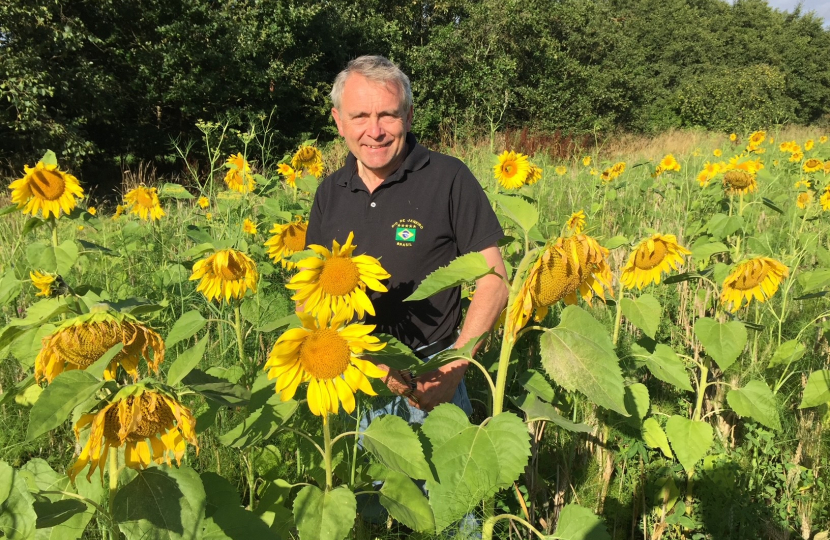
(471, 462)
(186, 326)
(161, 503)
(654, 436)
(59, 259)
(578, 355)
(68, 390)
(756, 401)
(234, 523)
(17, 514)
(536, 409)
(27, 345)
(579, 523)
(721, 226)
(405, 502)
(817, 391)
(324, 515)
(724, 342)
(466, 268)
(637, 401)
(174, 191)
(787, 353)
(10, 287)
(690, 440)
(58, 516)
(705, 250)
(261, 424)
(524, 214)
(535, 382)
(186, 361)
(815, 280)
(664, 364)
(643, 312)
(393, 443)
(218, 390)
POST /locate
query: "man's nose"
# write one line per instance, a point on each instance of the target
(375, 130)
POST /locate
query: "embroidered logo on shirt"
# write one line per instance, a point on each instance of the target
(406, 232)
(403, 234)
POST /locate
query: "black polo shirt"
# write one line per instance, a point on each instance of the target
(420, 218)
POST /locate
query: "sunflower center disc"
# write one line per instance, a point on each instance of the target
(339, 277)
(324, 354)
(557, 279)
(144, 199)
(738, 179)
(645, 260)
(48, 185)
(232, 270)
(294, 238)
(751, 278)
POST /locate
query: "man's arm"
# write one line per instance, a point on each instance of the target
(488, 302)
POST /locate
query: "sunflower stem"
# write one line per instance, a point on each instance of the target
(701, 388)
(354, 446)
(618, 316)
(53, 222)
(239, 341)
(327, 449)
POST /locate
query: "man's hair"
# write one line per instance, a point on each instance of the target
(377, 69)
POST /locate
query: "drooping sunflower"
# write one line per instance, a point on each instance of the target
(45, 282)
(225, 274)
(809, 144)
(45, 188)
(804, 199)
(512, 169)
(326, 354)
(144, 202)
(248, 226)
(576, 222)
(239, 177)
(569, 267)
(288, 239)
(79, 342)
(757, 278)
(334, 282)
(561, 170)
(652, 258)
(306, 156)
(534, 175)
(150, 424)
(812, 165)
(204, 202)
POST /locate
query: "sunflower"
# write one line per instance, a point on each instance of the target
(79, 342)
(717, 152)
(668, 163)
(812, 165)
(306, 156)
(561, 170)
(512, 170)
(150, 425)
(825, 199)
(757, 138)
(822, 139)
(316, 169)
(618, 169)
(739, 182)
(225, 274)
(144, 202)
(92, 210)
(606, 176)
(289, 173)
(326, 354)
(804, 199)
(736, 163)
(570, 266)
(119, 210)
(650, 259)
(803, 183)
(239, 177)
(576, 222)
(248, 226)
(44, 282)
(288, 239)
(593, 172)
(756, 278)
(797, 157)
(733, 137)
(586, 161)
(710, 170)
(534, 175)
(827, 167)
(204, 202)
(209, 216)
(47, 189)
(334, 282)
(809, 144)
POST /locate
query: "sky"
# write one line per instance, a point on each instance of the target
(821, 7)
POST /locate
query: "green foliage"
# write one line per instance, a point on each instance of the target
(722, 341)
(579, 523)
(755, 400)
(324, 515)
(392, 442)
(643, 312)
(464, 269)
(68, 390)
(690, 439)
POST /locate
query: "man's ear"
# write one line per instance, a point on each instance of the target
(336, 115)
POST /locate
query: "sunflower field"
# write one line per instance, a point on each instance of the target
(661, 370)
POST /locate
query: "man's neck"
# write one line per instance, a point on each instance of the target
(372, 179)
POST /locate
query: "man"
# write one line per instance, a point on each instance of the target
(416, 211)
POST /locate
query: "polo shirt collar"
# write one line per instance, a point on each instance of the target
(416, 158)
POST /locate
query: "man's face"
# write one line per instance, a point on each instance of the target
(372, 122)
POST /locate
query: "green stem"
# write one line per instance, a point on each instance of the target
(327, 455)
(354, 445)
(239, 341)
(618, 316)
(53, 222)
(701, 388)
(490, 522)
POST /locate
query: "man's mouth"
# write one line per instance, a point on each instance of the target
(377, 146)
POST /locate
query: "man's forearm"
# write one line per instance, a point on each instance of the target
(487, 304)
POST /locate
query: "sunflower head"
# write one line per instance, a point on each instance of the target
(80, 342)
(335, 282)
(203, 202)
(740, 182)
(733, 137)
(239, 177)
(306, 156)
(45, 188)
(561, 170)
(45, 283)
(512, 170)
(144, 202)
(586, 161)
(287, 240)
(757, 138)
(796, 156)
(822, 139)
(617, 169)
(809, 144)
(576, 222)
(534, 175)
(812, 165)
(668, 163)
(248, 226)
(150, 424)
(225, 274)
(326, 354)
(653, 257)
(825, 199)
(717, 152)
(119, 210)
(756, 278)
(804, 199)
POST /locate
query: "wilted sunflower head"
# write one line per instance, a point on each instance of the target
(757, 278)
(653, 257)
(326, 354)
(576, 222)
(45, 282)
(306, 156)
(804, 199)
(144, 202)
(739, 182)
(512, 170)
(80, 342)
(287, 240)
(812, 165)
(151, 424)
(225, 274)
(335, 282)
(239, 177)
(534, 175)
(45, 188)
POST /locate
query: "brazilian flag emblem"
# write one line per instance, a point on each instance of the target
(404, 234)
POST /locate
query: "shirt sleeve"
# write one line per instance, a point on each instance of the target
(474, 223)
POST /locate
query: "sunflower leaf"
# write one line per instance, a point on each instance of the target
(787, 353)
(536, 409)
(654, 436)
(394, 444)
(524, 214)
(406, 502)
(690, 440)
(97, 368)
(724, 342)
(817, 391)
(186, 361)
(17, 514)
(579, 523)
(463, 269)
(325, 515)
(664, 364)
(260, 424)
(67, 390)
(755, 400)
(186, 326)
(643, 312)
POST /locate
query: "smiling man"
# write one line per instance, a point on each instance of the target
(416, 210)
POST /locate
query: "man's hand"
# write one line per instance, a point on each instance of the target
(437, 387)
(397, 382)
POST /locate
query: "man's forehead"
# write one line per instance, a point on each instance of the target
(360, 91)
